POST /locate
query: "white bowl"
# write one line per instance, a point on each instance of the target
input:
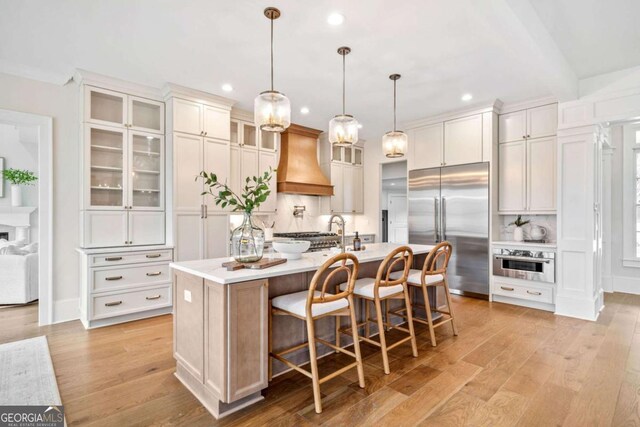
(291, 249)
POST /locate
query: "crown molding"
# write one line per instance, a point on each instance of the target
(240, 114)
(494, 107)
(111, 83)
(531, 103)
(173, 90)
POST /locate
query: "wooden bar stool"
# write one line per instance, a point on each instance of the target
(433, 273)
(380, 289)
(312, 305)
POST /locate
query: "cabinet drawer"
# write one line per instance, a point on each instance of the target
(101, 260)
(532, 293)
(125, 277)
(131, 302)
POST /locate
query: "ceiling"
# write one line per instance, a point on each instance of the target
(443, 49)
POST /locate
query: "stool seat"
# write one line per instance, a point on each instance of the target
(296, 303)
(364, 287)
(415, 277)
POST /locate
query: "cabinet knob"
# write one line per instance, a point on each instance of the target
(528, 136)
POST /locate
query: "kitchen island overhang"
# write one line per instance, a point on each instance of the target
(221, 319)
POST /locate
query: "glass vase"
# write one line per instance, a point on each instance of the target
(247, 241)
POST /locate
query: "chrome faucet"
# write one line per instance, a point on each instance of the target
(341, 228)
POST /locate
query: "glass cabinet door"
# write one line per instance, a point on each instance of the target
(235, 133)
(146, 171)
(146, 115)
(336, 153)
(106, 164)
(357, 156)
(105, 107)
(268, 140)
(348, 155)
(249, 136)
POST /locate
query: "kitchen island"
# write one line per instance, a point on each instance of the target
(220, 340)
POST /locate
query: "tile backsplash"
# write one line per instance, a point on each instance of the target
(546, 221)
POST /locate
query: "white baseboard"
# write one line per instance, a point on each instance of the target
(65, 310)
(628, 285)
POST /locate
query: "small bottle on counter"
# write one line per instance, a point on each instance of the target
(357, 243)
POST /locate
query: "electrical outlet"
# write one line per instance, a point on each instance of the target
(187, 295)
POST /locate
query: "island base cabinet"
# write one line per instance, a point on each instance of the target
(221, 341)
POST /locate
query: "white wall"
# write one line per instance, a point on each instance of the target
(623, 279)
(19, 152)
(60, 103)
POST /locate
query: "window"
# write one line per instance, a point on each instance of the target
(631, 195)
(637, 198)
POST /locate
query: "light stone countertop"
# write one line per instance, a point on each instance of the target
(211, 269)
(512, 244)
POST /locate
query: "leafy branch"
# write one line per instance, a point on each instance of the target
(254, 193)
(519, 222)
(19, 177)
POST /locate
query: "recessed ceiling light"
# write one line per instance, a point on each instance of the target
(359, 125)
(467, 97)
(227, 87)
(304, 110)
(393, 183)
(335, 19)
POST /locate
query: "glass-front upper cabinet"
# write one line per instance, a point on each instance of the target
(105, 107)
(146, 115)
(235, 133)
(111, 108)
(357, 156)
(107, 160)
(269, 140)
(249, 136)
(146, 171)
(337, 153)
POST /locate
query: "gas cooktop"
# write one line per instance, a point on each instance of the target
(319, 240)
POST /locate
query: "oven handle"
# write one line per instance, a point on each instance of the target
(524, 258)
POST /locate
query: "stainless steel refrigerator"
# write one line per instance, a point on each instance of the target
(452, 203)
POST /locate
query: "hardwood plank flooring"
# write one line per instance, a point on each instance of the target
(509, 366)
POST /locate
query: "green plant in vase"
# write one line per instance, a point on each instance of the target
(18, 178)
(247, 240)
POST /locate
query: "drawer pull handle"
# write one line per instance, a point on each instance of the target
(154, 255)
(113, 278)
(113, 258)
(154, 297)
(156, 273)
(111, 304)
(505, 288)
(533, 293)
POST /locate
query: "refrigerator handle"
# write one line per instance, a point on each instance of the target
(444, 219)
(436, 218)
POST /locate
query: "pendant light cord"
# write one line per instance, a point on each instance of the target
(343, 82)
(271, 54)
(394, 105)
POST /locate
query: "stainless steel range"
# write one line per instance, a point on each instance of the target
(319, 241)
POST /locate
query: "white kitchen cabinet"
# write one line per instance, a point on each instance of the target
(105, 167)
(216, 158)
(189, 236)
(463, 140)
(542, 121)
(512, 176)
(512, 126)
(426, 147)
(187, 164)
(358, 189)
(268, 160)
(146, 228)
(527, 176)
(348, 191)
(531, 123)
(337, 180)
(269, 141)
(104, 229)
(216, 236)
(196, 118)
(145, 156)
(145, 115)
(249, 164)
(541, 174)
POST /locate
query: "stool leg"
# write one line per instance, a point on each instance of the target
(337, 333)
(446, 291)
(356, 343)
(387, 322)
(427, 307)
(414, 344)
(367, 331)
(313, 361)
(383, 342)
(270, 363)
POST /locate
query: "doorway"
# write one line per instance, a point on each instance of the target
(393, 201)
(25, 212)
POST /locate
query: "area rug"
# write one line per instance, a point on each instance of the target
(26, 374)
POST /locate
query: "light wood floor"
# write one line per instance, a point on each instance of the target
(509, 366)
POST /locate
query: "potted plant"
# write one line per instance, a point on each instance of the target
(247, 241)
(518, 234)
(18, 178)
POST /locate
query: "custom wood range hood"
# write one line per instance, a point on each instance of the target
(298, 170)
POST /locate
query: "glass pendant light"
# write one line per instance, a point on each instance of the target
(343, 128)
(394, 143)
(272, 109)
